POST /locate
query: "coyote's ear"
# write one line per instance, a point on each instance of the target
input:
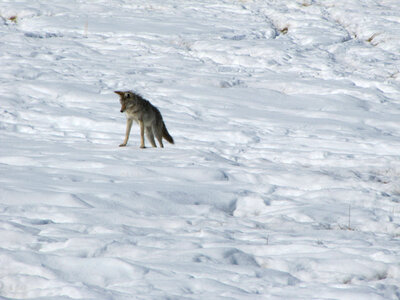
(119, 93)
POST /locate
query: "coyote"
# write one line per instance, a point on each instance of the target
(146, 115)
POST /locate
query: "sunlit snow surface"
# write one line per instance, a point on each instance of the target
(284, 182)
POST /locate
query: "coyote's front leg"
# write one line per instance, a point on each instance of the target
(128, 131)
(141, 134)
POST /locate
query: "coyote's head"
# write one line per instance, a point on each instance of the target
(127, 99)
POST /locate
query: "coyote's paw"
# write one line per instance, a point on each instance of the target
(122, 145)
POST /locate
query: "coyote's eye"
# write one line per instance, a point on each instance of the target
(127, 95)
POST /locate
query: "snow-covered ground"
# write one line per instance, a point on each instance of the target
(284, 179)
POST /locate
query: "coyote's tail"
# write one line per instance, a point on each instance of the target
(166, 135)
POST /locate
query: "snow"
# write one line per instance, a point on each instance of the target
(283, 182)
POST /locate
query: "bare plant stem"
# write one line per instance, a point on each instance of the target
(349, 217)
